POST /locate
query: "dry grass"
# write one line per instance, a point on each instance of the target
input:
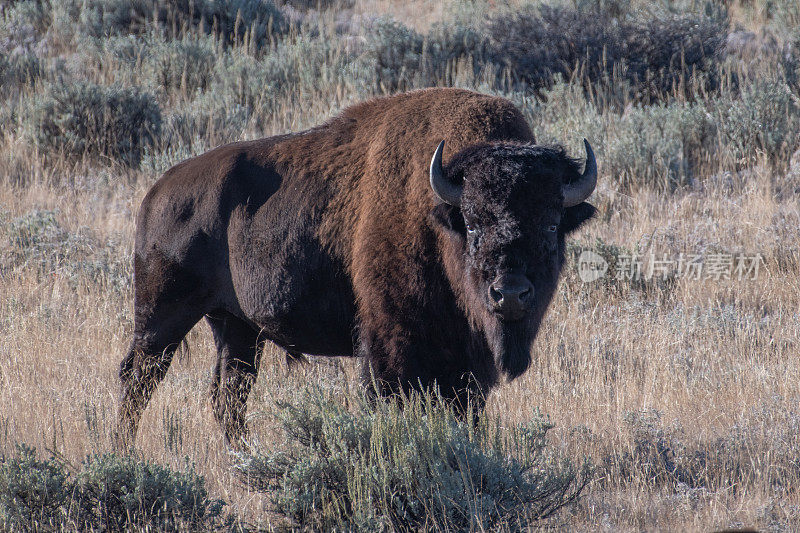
(690, 366)
(708, 356)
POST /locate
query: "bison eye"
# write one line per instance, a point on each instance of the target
(470, 229)
(553, 228)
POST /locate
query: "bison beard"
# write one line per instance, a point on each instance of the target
(511, 345)
(335, 242)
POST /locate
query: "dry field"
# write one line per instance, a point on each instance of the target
(684, 393)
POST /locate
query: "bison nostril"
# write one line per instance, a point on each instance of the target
(510, 297)
(495, 295)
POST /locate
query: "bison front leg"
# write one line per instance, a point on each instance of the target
(238, 354)
(395, 363)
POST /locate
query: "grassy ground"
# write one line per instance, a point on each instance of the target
(685, 393)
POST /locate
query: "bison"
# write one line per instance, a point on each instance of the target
(423, 232)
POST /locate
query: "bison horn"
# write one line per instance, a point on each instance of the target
(578, 191)
(446, 191)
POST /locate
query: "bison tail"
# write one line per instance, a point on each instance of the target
(295, 358)
(183, 351)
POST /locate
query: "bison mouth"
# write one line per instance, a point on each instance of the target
(510, 317)
(511, 343)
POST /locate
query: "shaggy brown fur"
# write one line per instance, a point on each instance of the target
(332, 242)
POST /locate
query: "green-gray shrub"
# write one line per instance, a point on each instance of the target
(654, 57)
(411, 467)
(185, 64)
(245, 90)
(450, 42)
(662, 145)
(99, 18)
(38, 243)
(260, 19)
(108, 493)
(394, 51)
(34, 493)
(119, 492)
(319, 4)
(203, 123)
(22, 25)
(296, 68)
(17, 70)
(400, 58)
(86, 119)
(790, 62)
(232, 21)
(763, 120)
(32, 230)
(17, 73)
(565, 115)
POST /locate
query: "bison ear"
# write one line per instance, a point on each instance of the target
(574, 217)
(449, 217)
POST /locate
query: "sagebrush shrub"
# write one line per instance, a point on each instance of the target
(297, 69)
(394, 51)
(663, 145)
(17, 70)
(565, 115)
(790, 63)
(86, 119)
(763, 120)
(416, 467)
(233, 21)
(108, 493)
(319, 4)
(34, 493)
(33, 230)
(245, 91)
(666, 52)
(236, 19)
(181, 65)
(536, 44)
(116, 492)
(194, 127)
(660, 145)
(115, 17)
(22, 25)
(448, 43)
(400, 58)
(38, 243)
(654, 57)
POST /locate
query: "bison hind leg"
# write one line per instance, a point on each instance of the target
(145, 365)
(239, 348)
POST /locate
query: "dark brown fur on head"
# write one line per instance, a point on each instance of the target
(512, 205)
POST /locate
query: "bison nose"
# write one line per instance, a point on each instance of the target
(510, 297)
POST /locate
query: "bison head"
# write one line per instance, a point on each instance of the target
(506, 209)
